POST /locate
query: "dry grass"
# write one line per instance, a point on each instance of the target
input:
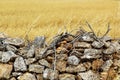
(48, 16)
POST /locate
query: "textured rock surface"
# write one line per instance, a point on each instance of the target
(27, 76)
(14, 41)
(89, 75)
(19, 64)
(66, 76)
(36, 68)
(82, 56)
(5, 70)
(73, 60)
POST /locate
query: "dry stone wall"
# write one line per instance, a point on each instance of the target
(81, 56)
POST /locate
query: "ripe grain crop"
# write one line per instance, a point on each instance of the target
(47, 17)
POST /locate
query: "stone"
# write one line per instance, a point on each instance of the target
(89, 75)
(40, 53)
(19, 64)
(81, 45)
(59, 67)
(76, 53)
(27, 76)
(5, 70)
(31, 52)
(7, 56)
(49, 52)
(106, 66)
(30, 61)
(1, 56)
(96, 64)
(50, 74)
(73, 60)
(39, 77)
(16, 74)
(39, 41)
(44, 63)
(116, 62)
(97, 44)
(91, 54)
(116, 46)
(61, 56)
(36, 68)
(109, 50)
(66, 76)
(87, 37)
(13, 78)
(14, 41)
(61, 50)
(2, 47)
(11, 48)
(76, 69)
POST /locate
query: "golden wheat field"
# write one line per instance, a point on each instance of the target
(48, 17)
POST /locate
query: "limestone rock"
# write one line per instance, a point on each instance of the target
(36, 68)
(89, 75)
(91, 54)
(66, 76)
(81, 45)
(44, 62)
(30, 61)
(61, 65)
(97, 44)
(13, 78)
(19, 64)
(106, 66)
(39, 77)
(14, 41)
(7, 56)
(87, 37)
(73, 60)
(16, 74)
(5, 70)
(27, 76)
(30, 52)
(50, 74)
(76, 69)
(11, 48)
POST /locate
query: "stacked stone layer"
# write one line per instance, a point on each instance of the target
(81, 56)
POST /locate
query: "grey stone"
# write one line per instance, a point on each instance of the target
(30, 52)
(36, 68)
(19, 64)
(73, 60)
(5, 70)
(106, 66)
(50, 74)
(14, 41)
(91, 54)
(97, 44)
(116, 45)
(109, 50)
(30, 61)
(89, 75)
(87, 37)
(7, 56)
(16, 74)
(39, 41)
(40, 53)
(27, 76)
(66, 76)
(2, 47)
(76, 69)
(1, 56)
(11, 48)
(44, 62)
(81, 45)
